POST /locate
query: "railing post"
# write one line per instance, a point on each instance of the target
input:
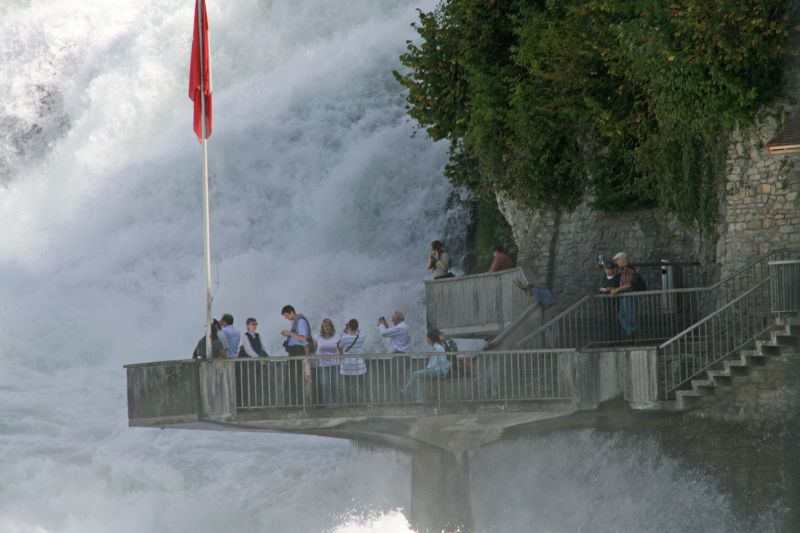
(785, 286)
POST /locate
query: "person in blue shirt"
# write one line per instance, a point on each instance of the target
(438, 367)
(229, 335)
(298, 343)
(540, 294)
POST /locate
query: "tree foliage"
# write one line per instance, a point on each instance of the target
(629, 102)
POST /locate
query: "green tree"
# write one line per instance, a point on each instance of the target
(629, 102)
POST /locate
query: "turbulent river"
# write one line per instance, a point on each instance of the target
(321, 197)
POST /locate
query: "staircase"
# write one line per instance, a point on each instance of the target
(782, 339)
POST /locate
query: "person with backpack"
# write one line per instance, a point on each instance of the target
(298, 343)
(628, 281)
(459, 366)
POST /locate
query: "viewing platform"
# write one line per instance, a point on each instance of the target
(496, 390)
(571, 363)
(477, 306)
(551, 373)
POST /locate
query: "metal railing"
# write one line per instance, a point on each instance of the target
(642, 318)
(665, 275)
(395, 379)
(715, 337)
(480, 305)
(655, 315)
(785, 286)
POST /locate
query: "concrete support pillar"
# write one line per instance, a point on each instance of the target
(217, 380)
(440, 493)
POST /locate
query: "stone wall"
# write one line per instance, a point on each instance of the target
(759, 211)
(561, 250)
(767, 393)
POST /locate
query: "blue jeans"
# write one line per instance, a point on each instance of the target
(326, 384)
(627, 314)
(416, 383)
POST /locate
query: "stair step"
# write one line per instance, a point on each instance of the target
(785, 339)
(720, 377)
(768, 348)
(688, 399)
(753, 357)
(735, 368)
(704, 386)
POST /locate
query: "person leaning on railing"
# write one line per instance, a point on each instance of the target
(538, 293)
(501, 260)
(627, 283)
(251, 345)
(610, 306)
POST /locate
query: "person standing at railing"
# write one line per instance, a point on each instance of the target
(327, 368)
(217, 348)
(501, 260)
(298, 343)
(438, 367)
(627, 283)
(439, 261)
(610, 306)
(353, 369)
(399, 336)
(251, 341)
(229, 335)
(251, 347)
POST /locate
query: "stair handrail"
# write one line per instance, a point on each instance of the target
(711, 290)
(759, 290)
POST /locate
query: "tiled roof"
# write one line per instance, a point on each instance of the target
(787, 140)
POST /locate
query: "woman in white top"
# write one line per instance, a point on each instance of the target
(327, 342)
(438, 367)
(352, 369)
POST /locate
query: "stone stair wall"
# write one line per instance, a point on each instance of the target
(754, 383)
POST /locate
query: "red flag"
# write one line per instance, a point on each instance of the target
(195, 73)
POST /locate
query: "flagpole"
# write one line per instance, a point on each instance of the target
(206, 209)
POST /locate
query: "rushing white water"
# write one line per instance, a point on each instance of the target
(321, 198)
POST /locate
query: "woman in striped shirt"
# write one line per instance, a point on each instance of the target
(353, 369)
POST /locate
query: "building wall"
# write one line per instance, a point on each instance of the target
(759, 210)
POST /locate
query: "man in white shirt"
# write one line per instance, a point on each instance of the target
(399, 334)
